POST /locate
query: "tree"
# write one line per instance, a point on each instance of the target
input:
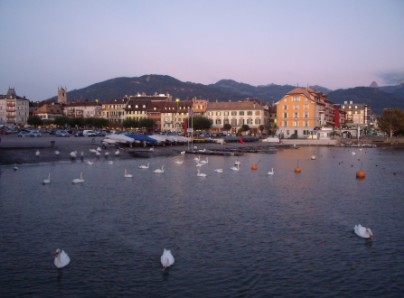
(147, 123)
(201, 123)
(61, 121)
(261, 128)
(392, 121)
(34, 120)
(226, 127)
(130, 123)
(243, 128)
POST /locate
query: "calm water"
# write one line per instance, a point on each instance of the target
(235, 234)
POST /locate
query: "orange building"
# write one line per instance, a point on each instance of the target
(302, 111)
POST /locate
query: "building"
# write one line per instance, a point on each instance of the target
(114, 111)
(49, 111)
(356, 113)
(14, 109)
(251, 112)
(302, 111)
(62, 95)
(86, 109)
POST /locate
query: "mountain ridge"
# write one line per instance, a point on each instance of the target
(377, 98)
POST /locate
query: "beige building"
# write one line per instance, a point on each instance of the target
(251, 112)
(13, 109)
(49, 111)
(83, 110)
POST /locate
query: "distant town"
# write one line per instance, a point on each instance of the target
(301, 113)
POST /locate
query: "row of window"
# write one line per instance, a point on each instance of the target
(295, 123)
(234, 113)
(296, 107)
(296, 115)
(233, 122)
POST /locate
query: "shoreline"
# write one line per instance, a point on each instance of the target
(14, 150)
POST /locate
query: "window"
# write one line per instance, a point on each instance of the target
(241, 113)
(233, 122)
(249, 121)
(218, 113)
(306, 115)
(295, 124)
(249, 113)
(306, 106)
(296, 107)
(306, 123)
(257, 121)
(296, 98)
(295, 115)
(285, 107)
(218, 121)
(233, 113)
(285, 123)
(257, 113)
(285, 115)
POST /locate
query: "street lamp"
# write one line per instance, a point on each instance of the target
(177, 115)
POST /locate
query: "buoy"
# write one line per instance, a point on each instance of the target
(253, 167)
(360, 174)
(298, 170)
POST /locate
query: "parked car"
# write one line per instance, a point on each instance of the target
(31, 134)
(62, 133)
(89, 133)
(4, 132)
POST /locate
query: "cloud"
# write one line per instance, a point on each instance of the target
(392, 77)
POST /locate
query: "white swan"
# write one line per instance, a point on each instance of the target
(146, 166)
(237, 162)
(61, 259)
(159, 171)
(182, 152)
(236, 167)
(167, 259)
(99, 149)
(117, 152)
(197, 158)
(46, 180)
(90, 163)
(57, 152)
(206, 161)
(73, 154)
(218, 170)
(37, 153)
(362, 231)
(15, 168)
(199, 174)
(127, 175)
(179, 162)
(271, 172)
(313, 157)
(106, 154)
(78, 180)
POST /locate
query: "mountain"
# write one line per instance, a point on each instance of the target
(377, 98)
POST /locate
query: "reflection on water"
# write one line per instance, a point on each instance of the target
(235, 234)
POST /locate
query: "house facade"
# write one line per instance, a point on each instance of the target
(14, 109)
(83, 110)
(356, 113)
(49, 111)
(302, 111)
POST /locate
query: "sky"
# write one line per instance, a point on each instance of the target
(46, 44)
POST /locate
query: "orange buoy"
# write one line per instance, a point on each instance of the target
(253, 167)
(361, 174)
(298, 170)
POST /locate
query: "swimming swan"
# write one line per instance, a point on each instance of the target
(159, 171)
(46, 180)
(127, 175)
(61, 259)
(167, 259)
(362, 231)
(78, 180)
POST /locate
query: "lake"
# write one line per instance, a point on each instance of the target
(233, 234)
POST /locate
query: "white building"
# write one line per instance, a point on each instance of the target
(13, 109)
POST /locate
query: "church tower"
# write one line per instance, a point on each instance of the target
(62, 95)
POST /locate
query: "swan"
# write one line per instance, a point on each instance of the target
(182, 152)
(313, 157)
(61, 259)
(15, 168)
(73, 154)
(127, 175)
(237, 162)
(271, 172)
(146, 166)
(106, 154)
(236, 167)
(37, 153)
(57, 152)
(78, 180)
(362, 231)
(218, 170)
(206, 161)
(159, 171)
(99, 149)
(111, 162)
(90, 163)
(167, 259)
(199, 174)
(117, 152)
(46, 180)
(197, 158)
(179, 162)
